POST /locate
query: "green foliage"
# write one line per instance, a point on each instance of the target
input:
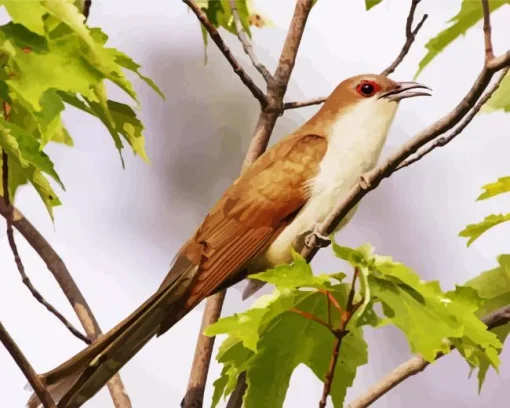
(273, 333)
(50, 58)
(500, 100)
(493, 189)
(474, 231)
(470, 14)
(371, 3)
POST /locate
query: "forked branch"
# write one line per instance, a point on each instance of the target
(410, 35)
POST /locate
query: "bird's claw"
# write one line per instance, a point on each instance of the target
(316, 240)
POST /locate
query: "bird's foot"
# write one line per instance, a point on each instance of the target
(316, 240)
(364, 182)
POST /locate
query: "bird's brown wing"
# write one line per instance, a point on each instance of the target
(247, 218)
(254, 209)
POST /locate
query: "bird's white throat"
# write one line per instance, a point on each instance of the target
(356, 139)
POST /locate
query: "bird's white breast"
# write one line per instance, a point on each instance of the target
(356, 139)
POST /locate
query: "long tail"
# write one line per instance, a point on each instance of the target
(78, 379)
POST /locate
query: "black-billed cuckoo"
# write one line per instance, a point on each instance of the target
(290, 188)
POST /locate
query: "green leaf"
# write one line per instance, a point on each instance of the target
(276, 348)
(493, 189)
(31, 17)
(499, 99)
(27, 163)
(470, 14)
(371, 3)
(474, 231)
(294, 276)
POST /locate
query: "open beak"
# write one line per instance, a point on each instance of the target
(406, 90)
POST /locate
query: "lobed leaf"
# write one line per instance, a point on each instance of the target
(474, 231)
(470, 13)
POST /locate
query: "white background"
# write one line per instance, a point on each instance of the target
(118, 229)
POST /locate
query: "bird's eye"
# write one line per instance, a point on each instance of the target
(366, 89)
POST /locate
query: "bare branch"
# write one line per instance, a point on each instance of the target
(487, 31)
(310, 102)
(444, 140)
(64, 279)
(278, 85)
(417, 364)
(17, 259)
(410, 37)
(30, 374)
(247, 44)
(216, 37)
(203, 351)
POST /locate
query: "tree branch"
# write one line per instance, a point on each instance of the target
(410, 37)
(247, 44)
(58, 269)
(417, 364)
(487, 30)
(443, 141)
(30, 374)
(269, 114)
(216, 37)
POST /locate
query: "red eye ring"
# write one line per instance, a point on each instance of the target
(367, 88)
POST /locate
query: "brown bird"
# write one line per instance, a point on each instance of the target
(275, 202)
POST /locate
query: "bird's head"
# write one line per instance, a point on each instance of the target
(369, 96)
(378, 87)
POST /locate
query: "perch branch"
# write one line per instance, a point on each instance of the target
(26, 368)
(247, 44)
(270, 112)
(58, 269)
(216, 37)
(410, 37)
(444, 140)
(417, 364)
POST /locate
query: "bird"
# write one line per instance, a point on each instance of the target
(254, 226)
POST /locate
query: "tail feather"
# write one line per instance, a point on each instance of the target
(77, 380)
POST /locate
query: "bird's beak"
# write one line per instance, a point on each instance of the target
(405, 90)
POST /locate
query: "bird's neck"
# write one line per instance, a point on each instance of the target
(356, 136)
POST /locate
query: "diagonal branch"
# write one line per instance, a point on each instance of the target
(58, 269)
(444, 140)
(216, 37)
(30, 374)
(417, 364)
(269, 114)
(247, 44)
(410, 37)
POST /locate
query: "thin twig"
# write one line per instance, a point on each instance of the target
(30, 374)
(487, 30)
(194, 397)
(247, 44)
(216, 37)
(410, 37)
(444, 140)
(417, 364)
(328, 379)
(269, 114)
(310, 102)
